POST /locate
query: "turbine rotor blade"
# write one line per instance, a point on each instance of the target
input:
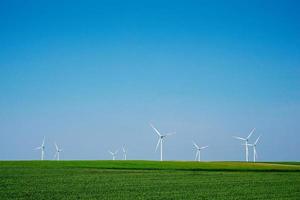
(204, 147)
(250, 133)
(158, 133)
(197, 154)
(169, 134)
(257, 140)
(255, 153)
(56, 147)
(159, 141)
(55, 156)
(43, 141)
(196, 145)
(239, 138)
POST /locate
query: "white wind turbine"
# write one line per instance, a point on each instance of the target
(160, 140)
(246, 143)
(198, 153)
(58, 150)
(42, 148)
(113, 154)
(124, 153)
(254, 149)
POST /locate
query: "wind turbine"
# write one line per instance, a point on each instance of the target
(160, 140)
(113, 154)
(246, 143)
(42, 147)
(58, 150)
(124, 153)
(254, 149)
(198, 153)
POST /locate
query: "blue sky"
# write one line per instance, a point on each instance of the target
(91, 75)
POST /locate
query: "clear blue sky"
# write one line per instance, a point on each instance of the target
(91, 75)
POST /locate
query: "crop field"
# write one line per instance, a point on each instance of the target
(148, 180)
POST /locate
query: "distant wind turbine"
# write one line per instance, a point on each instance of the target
(254, 149)
(198, 153)
(42, 148)
(58, 150)
(124, 153)
(113, 154)
(246, 143)
(160, 140)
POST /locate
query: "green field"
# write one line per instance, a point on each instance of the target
(148, 180)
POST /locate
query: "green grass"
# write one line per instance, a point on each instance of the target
(148, 180)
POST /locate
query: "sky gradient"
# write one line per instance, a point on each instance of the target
(91, 75)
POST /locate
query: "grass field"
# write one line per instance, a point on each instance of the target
(148, 180)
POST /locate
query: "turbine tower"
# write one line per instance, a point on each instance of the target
(58, 150)
(42, 148)
(198, 153)
(160, 141)
(124, 153)
(246, 143)
(254, 149)
(113, 154)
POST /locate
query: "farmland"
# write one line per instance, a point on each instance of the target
(148, 180)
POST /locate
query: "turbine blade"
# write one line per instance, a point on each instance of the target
(169, 134)
(111, 152)
(55, 156)
(239, 138)
(56, 147)
(197, 154)
(204, 147)
(43, 141)
(197, 147)
(37, 148)
(251, 133)
(158, 133)
(257, 140)
(159, 140)
(255, 153)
